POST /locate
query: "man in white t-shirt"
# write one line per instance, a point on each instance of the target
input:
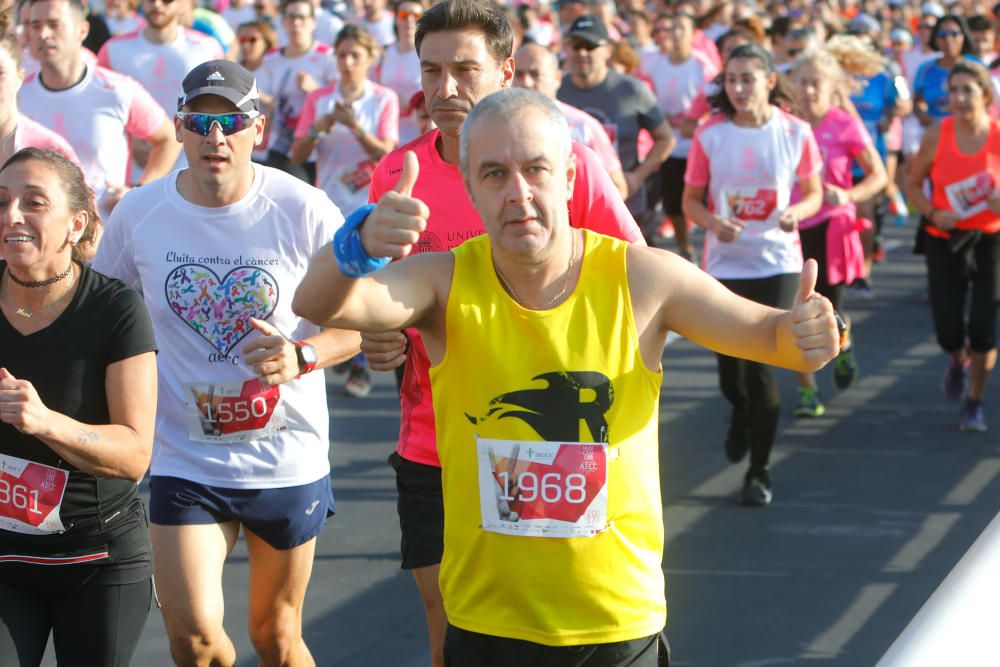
(328, 24)
(379, 21)
(287, 76)
(95, 109)
(678, 76)
(239, 12)
(537, 68)
(161, 54)
(218, 249)
(158, 56)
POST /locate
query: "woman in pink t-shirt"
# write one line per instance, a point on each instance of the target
(350, 124)
(744, 162)
(400, 67)
(831, 237)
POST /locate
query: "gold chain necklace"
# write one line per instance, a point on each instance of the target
(28, 314)
(548, 304)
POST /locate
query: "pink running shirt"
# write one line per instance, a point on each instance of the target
(749, 173)
(28, 133)
(343, 168)
(841, 138)
(595, 204)
(96, 116)
(278, 76)
(587, 130)
(677, 87)
(160, 68)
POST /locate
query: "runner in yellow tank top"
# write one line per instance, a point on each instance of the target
(546, 372)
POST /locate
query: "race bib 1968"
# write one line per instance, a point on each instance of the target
(225, 413)
(30, 496)
(543, 489)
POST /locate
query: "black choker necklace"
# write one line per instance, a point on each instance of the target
(40, 283)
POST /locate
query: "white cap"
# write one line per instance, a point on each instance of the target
(899, 35)
(932, 9)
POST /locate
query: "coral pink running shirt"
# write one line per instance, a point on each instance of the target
(595, 205)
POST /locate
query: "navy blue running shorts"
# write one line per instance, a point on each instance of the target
(284, 518)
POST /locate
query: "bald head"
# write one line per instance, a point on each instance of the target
(513, 104)
(537, 68)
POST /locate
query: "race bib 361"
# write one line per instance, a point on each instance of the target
(30, 496)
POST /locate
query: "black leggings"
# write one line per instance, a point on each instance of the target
(949, 276)
(814, 247)
(750, 387)
(92, 623)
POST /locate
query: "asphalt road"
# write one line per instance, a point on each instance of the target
(874, 504)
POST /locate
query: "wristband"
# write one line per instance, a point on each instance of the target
(352, 258)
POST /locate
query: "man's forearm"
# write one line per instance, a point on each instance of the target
(334, 346)
(162, 156)
(657, 155)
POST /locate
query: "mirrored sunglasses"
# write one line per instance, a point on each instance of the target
(229, 123)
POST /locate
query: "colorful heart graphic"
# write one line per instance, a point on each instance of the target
(220, 310)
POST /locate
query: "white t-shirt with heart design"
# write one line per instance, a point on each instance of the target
(203, 273)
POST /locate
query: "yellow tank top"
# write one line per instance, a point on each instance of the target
(571, 374)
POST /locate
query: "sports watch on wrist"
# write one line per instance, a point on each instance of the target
(307, 357)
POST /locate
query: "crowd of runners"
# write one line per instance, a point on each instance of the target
(202, 206)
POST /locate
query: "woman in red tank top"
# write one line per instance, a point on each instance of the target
(961, 156)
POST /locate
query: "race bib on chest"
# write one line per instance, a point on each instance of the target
(543, 489)
(968, 197)
(757, 206)
(30, 496)
(358, 177)
(236, 412)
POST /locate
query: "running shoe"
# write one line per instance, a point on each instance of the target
(737, 438)
(953, 383)
(756, 487)
(845, 368)
(359, 382)
(878, 250)
(972, 417)
(810, 403)
(861, 289)
(666, 229)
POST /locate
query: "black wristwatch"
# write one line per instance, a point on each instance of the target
(306, 354)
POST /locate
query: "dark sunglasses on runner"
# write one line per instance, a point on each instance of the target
(229, 123)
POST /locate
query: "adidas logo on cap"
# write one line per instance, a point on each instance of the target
(215, 76)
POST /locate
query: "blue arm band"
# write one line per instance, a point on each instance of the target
(352, 259)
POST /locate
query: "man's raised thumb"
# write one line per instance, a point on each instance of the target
(411, 169)
(5, 375)
(807, 281)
